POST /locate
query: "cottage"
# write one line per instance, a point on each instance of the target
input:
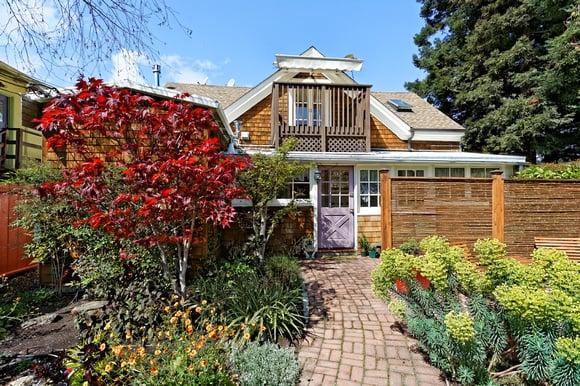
(349, 132)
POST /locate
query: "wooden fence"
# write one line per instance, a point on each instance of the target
(467, 209)
(12, 240)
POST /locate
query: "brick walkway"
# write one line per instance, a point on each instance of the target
(352, 340)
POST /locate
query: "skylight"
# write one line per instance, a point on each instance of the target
(400, 105)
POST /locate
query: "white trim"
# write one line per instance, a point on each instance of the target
(438, 135)
(317, 63)
(314, 201)
(390, 119)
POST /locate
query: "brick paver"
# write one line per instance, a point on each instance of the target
(351, 337)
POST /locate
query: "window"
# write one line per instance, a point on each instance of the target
(3, 112)
(482, 172)
(299, 188)
(301, 114)
(411, 173)
(449, 172)
(369, 188)
(305, 107)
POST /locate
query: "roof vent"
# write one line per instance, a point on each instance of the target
(400, 105)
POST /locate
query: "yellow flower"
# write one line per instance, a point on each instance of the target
(203, 363)
(131, 361)
(247, 336)
(192, 353)
(103, 346)
(176, 304)
(128, 334)
(107, 326)
(262, 328)
(157, 352)
(190, 368)
(173, 320)
(178, 314)
(220, 327)
(198, 309)
(167, 309)
(117, 350)
(85, 383)
(203, 302)
(108, 368)
(212, 334)
(188, 322)
(209, 327)
(141, 351)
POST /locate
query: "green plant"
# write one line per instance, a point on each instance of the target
(283, 269)
(410, 247)
(566, 171)
(265, 180)
(500, 321)
(363, 244)
(265, 364)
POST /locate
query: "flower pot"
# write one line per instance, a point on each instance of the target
(372, 253)
(364, 252)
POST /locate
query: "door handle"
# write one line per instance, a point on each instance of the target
(351, 210)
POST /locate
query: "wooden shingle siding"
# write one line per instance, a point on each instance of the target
(370, 226)
(540, 209)
(424, 145)
(258, 122)
(383, 138)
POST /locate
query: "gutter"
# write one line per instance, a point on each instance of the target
(410, 140)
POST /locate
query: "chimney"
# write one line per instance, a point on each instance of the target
(156, 73)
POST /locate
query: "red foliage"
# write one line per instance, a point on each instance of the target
(401, 287)
(425, 283)
(158, 178)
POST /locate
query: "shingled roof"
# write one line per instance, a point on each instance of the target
(423, 114)
(225, 95)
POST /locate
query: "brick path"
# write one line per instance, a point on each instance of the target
(352, 340)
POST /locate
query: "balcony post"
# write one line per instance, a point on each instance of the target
(275, 120)
(323, 121)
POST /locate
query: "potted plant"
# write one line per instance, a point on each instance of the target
(374, 251)
(363, 244)
(308, 247)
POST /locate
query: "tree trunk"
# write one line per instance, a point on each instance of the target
(263, 230)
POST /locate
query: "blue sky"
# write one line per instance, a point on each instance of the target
(238, 40)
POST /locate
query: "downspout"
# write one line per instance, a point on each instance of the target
(410, 140)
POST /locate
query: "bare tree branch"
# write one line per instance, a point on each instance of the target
(80, 35)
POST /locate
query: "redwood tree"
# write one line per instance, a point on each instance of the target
(150, 171)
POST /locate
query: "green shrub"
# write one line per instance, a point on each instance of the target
(283, 269)
(410, 247)
(471, 321)
(265, 365)
(566, 171)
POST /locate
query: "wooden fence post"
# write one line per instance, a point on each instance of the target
(386, 210)
(497, 205)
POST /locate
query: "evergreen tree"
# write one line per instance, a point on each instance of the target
(506, 69)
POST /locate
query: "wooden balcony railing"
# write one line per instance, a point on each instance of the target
(322, 117)
(19, 146)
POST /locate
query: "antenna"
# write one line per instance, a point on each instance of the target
(156, 73)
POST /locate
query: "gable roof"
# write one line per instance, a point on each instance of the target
(424, 123)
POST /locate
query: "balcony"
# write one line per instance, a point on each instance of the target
(322, 117)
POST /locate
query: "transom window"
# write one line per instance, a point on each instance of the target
(411, 173)
(449, 172)
(298, 189)
(369, 188)
(481, 172)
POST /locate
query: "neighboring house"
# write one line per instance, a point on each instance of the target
(348, 132)
(20, 142)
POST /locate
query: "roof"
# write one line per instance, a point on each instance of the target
(225, 95)
(419, 157)
(423, 114)
(312, 59)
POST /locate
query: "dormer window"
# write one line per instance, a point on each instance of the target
(400, 105)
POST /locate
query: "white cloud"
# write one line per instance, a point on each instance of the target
(126, 66)
(207, 65)
(176, 68)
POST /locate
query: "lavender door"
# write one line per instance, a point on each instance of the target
(336, 214)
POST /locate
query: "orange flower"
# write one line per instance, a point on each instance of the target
(189, 329)
(192, 353)
(212, 334)
(154, 371)
(118, 350)
(141, 351)
(198, 309)
(203, 363)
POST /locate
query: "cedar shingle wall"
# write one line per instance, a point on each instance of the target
(370, 226)
(293, 228)
(383, 138)
(457, 209)
(424, 145)
(258, 122)
(540, 209)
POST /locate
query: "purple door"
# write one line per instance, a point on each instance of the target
(336, 213)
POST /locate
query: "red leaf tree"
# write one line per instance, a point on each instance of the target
(147, 170)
